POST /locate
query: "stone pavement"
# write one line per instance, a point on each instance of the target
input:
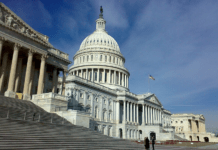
(164, 147)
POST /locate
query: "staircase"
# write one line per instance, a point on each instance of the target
(17, 133)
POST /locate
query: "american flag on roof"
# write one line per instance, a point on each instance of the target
(150, 77)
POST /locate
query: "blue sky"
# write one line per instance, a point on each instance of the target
(174, 41)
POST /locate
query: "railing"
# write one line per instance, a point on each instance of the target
(33, 118)
(60, 108)
(154, 124)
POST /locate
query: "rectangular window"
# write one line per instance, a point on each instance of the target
(90, 75)
(91, 57)
(105, 58)
(100, 76)
(87, 58)
(105, 77)
(100, 57)
(95, 75)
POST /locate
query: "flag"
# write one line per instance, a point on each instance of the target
(150, 77)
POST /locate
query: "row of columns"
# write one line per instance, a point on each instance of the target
(132, 134)
(15, 70)
(102, 58)
(150, 115)
(113, 77)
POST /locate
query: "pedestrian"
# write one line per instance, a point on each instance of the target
(34, 116)
(153, 142)
(146, 143)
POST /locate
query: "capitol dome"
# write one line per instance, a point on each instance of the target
(99, 38)
(99, 59)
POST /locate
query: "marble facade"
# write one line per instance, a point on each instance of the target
(191, 127)
(29, 64)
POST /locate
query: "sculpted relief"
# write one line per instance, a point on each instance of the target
(10, 21)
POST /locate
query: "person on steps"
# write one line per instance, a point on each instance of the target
(146, 143)
(153, 142)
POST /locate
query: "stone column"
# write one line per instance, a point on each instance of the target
(122, 79)
(63, 81)
(137, 107)
(134, 113)
(3, 71)
(10, 92)
(18, 76)
(115, 77)
(127, 81)
(149, 114)
(118, 112)
(31, 79)
(146, 115)
(112, 113)
(26, 95)
(41, 74)
(98, 76)
(92, 105)
(54, 80)
(130, 112)
(1, 45)
(87, 74)
(92, 75)
(119, 78)
(143, 114)
(127, 111)
(109, 76)
(103, 76)
(85, 98)
(81, 73)
(152, 112)
(124, 110)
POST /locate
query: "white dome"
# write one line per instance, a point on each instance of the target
(100, 38)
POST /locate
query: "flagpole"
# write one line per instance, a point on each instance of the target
(148, 84)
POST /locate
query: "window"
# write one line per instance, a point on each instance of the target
(181, 121)
(105, 77)
(81, 95)
(110, 59)
(110, 103)
(83, 58)
(105, 58)
(114, 60)
(87, 58)
(100, 57)
(100, 76)
(176, 121)
(96, 99)
(104, 101)
(90, 75)
(91, 57)
(95, 75)
(88, 97)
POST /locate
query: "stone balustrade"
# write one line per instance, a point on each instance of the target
(59, 53)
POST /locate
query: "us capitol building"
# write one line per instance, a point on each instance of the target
(93, 93)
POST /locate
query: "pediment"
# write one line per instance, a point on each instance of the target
(10, 20)
(154, 99)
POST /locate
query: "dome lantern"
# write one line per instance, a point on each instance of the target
(100, 22)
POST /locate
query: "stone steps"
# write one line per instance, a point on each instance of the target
(17, 133)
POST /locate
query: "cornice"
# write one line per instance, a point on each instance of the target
(16, 24)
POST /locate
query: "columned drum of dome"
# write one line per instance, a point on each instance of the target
(99, 59)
